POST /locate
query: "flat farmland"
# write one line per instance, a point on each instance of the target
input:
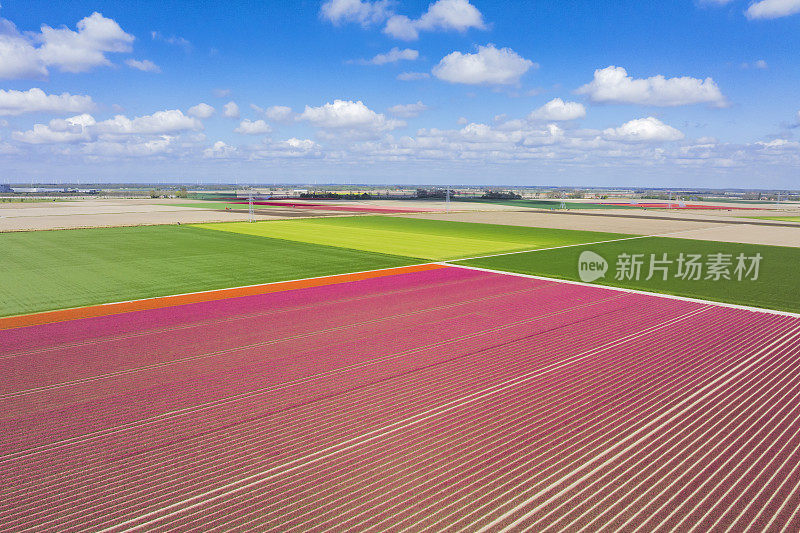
(777, 285)
(444, 399)
(108, 212)
(428, 239)
(781, 218)
(551, 204)
(47, 270)
(709, 226)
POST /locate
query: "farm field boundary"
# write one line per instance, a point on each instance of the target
(633, 291)
(232, 257)
(80, 268)
(48, 270)
(114, 308)
(775, 286)
(412, 237)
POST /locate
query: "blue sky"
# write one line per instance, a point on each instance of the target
(606, 93)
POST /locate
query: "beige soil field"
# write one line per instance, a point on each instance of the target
(420, 205)
(105, 212)
(679, 225)
(98, 212)
(725, 226)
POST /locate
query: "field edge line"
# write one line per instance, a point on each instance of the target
(633, 291)
(160, 302)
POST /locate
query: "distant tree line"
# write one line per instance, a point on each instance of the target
(336, 196)
(180, 193)
(561, 194)
(500, 195)
(434, 193)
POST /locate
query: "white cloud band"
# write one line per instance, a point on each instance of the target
(613, 85)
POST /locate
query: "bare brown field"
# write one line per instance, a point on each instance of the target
(724, 226)
(87, 213)
(679, 225)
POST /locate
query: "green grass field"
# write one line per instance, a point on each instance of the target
(777, 287)
(46, 270)
(216, 196)
(19, 200)
(736, 201)
(428, 239)
(784, 219)
(71, 268)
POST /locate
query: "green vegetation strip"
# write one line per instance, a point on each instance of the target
(19, 200)
(783, 219)
(429, 239)
(736, 201)
(213, 195)
(46, 270)
(777, 286)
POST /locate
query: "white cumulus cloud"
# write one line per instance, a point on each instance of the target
(160, 122)
(278, 112)
(69, 130)
(392, 56)
(300, 144)
(648, 129)
(250, 127)
(778, 144)
(488, 66)
(220, 150)
(358, 11)
(201, 110)
(772, 9)
(145, 65)
(457, 15)
(37, 101)
(613, 85)
(407, 110)
(230, 110)
(558, 109)
(18, 57)
(346, 114)
(84, 128)
(79, 51)
(30, 54)
(133, 147)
